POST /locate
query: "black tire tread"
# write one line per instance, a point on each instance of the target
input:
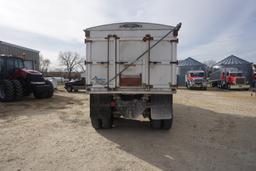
(18, 90)
(155, 124)
(100, 111)
(8, 90)
(167, 124)
(50, 90)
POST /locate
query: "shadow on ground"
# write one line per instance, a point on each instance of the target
(211, 89)
(199, 140)
(32, 106)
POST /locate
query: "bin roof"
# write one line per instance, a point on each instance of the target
(232, 60)
(189, 62)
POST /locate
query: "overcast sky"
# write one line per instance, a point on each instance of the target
(211, 29)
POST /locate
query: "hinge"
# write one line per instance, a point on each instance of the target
(155, 62)
(147, 37)
(109, 36)
(147, 86)
(174, 40)
(115, 36)
(87, 41)
(174, 62)
(102, 62)
(87, 62)
(121, 62)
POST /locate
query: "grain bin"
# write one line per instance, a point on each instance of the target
(233, 61)
(188, 64)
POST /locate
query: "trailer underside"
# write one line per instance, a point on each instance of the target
(157, 107)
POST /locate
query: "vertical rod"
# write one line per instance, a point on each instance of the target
(115, 60)
(108, 63)
(148, 62)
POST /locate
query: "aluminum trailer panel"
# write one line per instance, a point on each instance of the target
(111, 48)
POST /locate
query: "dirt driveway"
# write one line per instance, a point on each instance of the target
(213, 130)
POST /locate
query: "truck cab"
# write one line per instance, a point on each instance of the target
(234, 79)
(196, 79)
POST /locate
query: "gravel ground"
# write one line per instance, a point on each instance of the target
(212, 130)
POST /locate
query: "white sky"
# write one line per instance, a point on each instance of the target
(212, 29)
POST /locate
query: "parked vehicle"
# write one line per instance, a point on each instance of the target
(17, 81)
(75, 85)
(228, 78)
(254, 80)
(196, 79)
(53, 81)
(131, 71)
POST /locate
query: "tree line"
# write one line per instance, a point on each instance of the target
(71, 61)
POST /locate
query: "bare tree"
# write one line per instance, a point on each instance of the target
(44, 64)
(82, 66)
(210, 62)
(70, 60)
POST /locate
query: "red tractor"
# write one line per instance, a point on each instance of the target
(16, 81)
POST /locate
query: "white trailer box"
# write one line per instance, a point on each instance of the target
(131, 59)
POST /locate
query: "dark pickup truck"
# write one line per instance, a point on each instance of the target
(75, 85)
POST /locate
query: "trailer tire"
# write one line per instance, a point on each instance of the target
(167, 124)
(6, 91)
(155, 124)
(107, 123)
(100, 111)
(96, 123)
(69, 89)
(18, 90)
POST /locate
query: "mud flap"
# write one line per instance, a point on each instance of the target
(161, 107)
(100, 111)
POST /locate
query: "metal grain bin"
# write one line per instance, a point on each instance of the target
(186, 65)
(233, 61)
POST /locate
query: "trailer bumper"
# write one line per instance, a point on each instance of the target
(239, 86)
(199, 85)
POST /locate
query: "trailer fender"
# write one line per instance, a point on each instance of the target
(161, 106)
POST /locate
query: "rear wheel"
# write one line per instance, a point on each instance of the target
(18, 90)
(167, 124)
(42, 92)
(69, 89)
(38, 93)
(7, 91)
(96, 123)
(50, 90)
(155, 124)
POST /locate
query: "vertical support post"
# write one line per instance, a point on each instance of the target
(115, 66)
(148, 38)
(88, 58)
(149, 62)
(108, 51)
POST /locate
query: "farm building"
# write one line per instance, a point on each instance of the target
(236, 62)
(186, 65)
(31, 56)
